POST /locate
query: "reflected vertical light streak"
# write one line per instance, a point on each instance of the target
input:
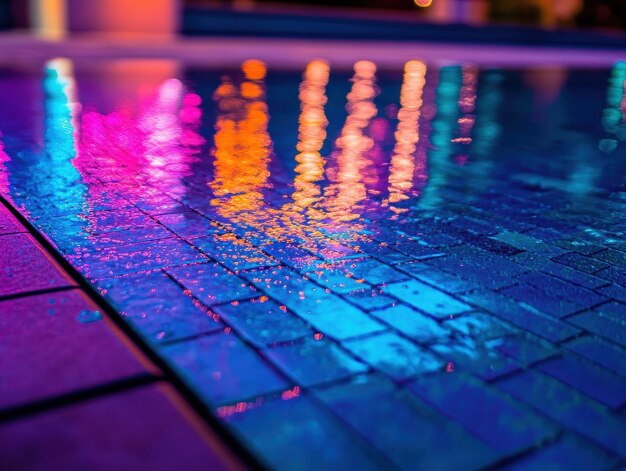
(467, 105)
(242, 143)
(311, 135)
(407, 134)
(443, 126)
(62, 128)
(613, 116)
(57, 171)
(353, 144)
(169, 126)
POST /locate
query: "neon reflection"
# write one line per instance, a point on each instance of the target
(348, 188)
(242, 143)
(467, 105)
(614, 115)
(407, 134)
(311, 135)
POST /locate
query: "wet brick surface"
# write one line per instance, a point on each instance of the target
(338, 291)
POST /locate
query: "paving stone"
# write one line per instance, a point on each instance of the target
(213, 366)
(156, 204)
(579, 246)
(157, 307)
(498, 421)
(563, 272)
(329, 249)
(541, 301)
(580, 262)
(613, 291)
(568, 407)
(483, 260)
(232, 252)
(474, 270)
(8, 223)
(189, 224)
(310, 362)
(411, 323)
(612, 274)
(472, 225)
(47, 351)
(426, 232)
(262, 321)
(589, 378)
(370, 298)
(288, 253)
(569, 453)
(394, 355)
(527, 243)
(99, 222)
(611, 256)
(492, 245)
(472, 356)
(613, 309)
(434, 238)
(327, 312)
(384, 252)
(374, 271)
(601, 325)
(524, 348)
(442, 280)
(479, 326)
(412, 267)
(212, 283)
(132, 258)
(416, 250)
(294, 434)
(407, 433)
(520, 316)
(426, 298)
(25, 267)
(603, 353)
(335, 276)
(97, 243)
(561, 289)
(136, 429)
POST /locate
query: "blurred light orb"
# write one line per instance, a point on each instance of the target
(423, 3)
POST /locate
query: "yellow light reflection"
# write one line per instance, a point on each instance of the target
(353, 145)
(407, 134)
(311, 136)
(242, 142)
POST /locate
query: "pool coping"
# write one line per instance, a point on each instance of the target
(24, 49)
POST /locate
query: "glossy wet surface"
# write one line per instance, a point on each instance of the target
(418, 268)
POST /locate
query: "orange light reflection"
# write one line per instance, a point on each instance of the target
(353, 145)
(311, 136)
(242, 143)
(407, 134)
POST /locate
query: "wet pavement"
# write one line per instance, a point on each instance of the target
(371, 268)
(75, 392)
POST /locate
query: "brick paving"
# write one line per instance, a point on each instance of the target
(477, 323)
(75, 392)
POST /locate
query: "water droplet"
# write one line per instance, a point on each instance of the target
(86, 316)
